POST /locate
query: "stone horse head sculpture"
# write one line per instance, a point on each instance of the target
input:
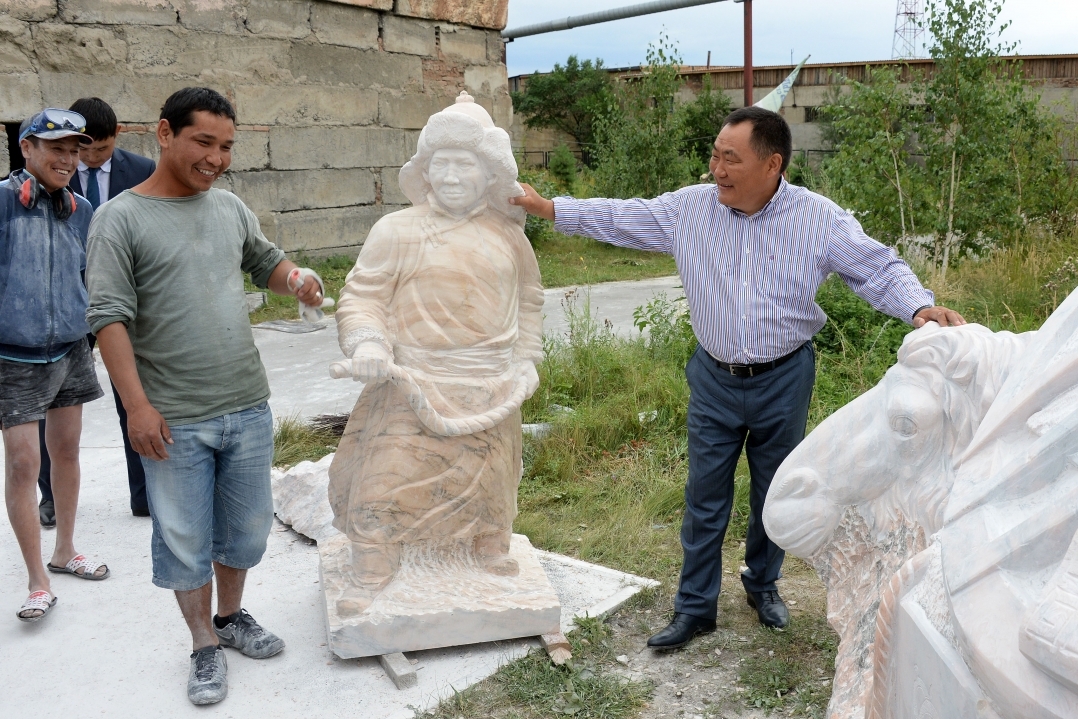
(860, 496)
(890, 452)
(941, 511)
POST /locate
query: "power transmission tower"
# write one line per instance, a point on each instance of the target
(909, 29)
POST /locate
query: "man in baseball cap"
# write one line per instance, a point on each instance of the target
(46, 369)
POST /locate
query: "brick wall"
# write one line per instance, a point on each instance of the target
(330, 96)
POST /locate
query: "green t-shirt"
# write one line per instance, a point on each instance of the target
(171, 269)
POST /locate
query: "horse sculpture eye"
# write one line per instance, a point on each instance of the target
(903, 425)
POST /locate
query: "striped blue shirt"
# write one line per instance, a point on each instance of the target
(751, 281)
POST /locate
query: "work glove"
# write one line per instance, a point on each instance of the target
(310, 313)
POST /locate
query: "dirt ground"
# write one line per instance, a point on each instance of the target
(717, 674)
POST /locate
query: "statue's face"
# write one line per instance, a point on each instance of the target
(458, 178)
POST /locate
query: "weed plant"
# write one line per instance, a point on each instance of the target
(295, 441)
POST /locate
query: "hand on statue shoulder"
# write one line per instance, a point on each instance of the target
(534, 203)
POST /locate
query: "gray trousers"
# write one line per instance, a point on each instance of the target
(765, 415)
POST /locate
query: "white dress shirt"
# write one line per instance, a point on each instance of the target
(103, 174)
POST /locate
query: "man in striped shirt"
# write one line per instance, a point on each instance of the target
(752, 251)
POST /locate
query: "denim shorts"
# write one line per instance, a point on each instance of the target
(30, 389)
(210, 500)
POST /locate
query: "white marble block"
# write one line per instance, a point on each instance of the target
(439, 599)
(299, 498)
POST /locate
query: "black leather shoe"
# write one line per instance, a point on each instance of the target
(46, 512)
(681, 631)
(769, 607)
(140, 512)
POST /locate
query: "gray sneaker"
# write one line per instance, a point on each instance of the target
(207, 683)
(249, 637)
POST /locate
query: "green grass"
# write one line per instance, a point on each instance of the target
(565, 261)
(295, 441)
(607, 487)
(532, 687)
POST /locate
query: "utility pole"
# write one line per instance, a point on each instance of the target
(748, 52)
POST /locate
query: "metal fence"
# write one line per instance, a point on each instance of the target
(541, 158)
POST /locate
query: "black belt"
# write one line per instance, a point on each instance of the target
(751, 370)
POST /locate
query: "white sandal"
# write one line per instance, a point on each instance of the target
(88, 567)
(39, 601)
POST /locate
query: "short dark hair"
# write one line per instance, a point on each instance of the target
(22, 128)
(100, 119)
(770, 132)
(180, 107)
(34, 140)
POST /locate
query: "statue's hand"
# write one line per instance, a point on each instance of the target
(370, 363)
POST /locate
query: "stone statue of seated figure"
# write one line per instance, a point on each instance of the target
(441, 319)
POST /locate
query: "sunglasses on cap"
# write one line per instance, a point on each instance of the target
(53, 123)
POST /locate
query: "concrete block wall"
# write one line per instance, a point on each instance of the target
(330, 96)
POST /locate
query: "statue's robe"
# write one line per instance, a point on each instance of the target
(460, 301)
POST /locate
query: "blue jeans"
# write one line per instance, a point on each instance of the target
(210, 500)
(766, 415)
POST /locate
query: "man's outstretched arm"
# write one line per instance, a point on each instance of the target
(638, 224)
(876, 274)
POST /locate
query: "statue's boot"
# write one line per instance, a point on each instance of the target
(372, 567)
(492, 551)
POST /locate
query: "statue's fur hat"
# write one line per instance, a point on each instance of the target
(465, 125)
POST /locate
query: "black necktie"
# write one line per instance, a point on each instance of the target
(93, 191)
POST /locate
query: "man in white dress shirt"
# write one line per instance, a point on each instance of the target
(752, 251)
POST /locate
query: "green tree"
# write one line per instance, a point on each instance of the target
(563, 167)
(964, 158)
(569, 98)
(871, 170)
(701, 120)
(973, 103)
(641, 138)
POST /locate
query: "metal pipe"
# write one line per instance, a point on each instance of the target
(603, 16)
(748, 53)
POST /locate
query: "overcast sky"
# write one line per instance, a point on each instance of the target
(829, 30)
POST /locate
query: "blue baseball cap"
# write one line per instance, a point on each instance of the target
(53, 123)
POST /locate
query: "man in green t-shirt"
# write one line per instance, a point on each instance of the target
(165, 272)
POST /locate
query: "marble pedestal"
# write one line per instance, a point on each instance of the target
(439, 599)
